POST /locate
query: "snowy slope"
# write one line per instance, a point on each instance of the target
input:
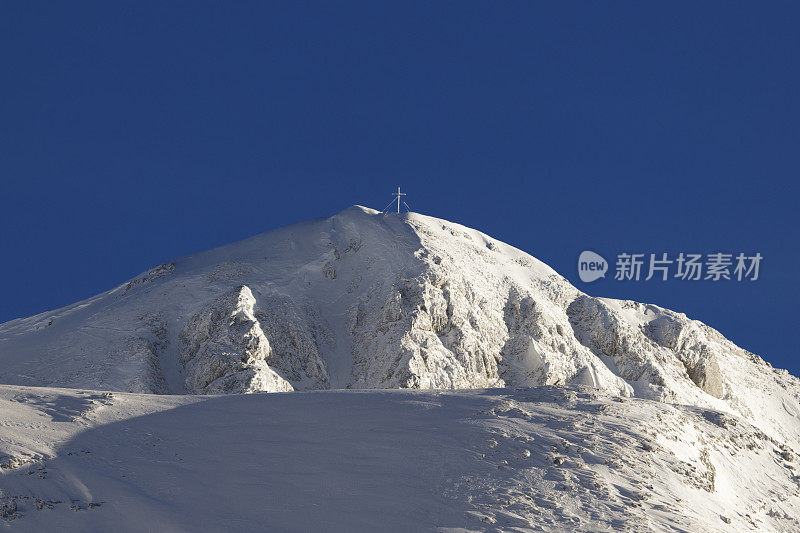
(363, 300)
(542, 459)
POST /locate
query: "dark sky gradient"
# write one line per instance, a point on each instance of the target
(132, 133)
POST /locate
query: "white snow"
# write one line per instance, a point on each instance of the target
(588, 413)
(547, 458)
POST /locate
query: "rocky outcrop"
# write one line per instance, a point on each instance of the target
(542, 348)
(226, 349)
(426, 333)
(657, 350)
(688, 341)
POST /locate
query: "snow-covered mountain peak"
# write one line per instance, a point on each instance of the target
(364, 299)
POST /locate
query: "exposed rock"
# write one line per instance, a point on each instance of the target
(225, 349)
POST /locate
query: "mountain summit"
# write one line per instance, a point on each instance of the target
(367, 300)
(590, 414)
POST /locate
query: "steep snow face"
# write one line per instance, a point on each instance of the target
(365, 300)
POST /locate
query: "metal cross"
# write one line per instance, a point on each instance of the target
(398, 194)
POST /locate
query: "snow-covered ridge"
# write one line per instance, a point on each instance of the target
(366, 300)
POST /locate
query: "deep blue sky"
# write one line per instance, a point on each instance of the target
(132, 133)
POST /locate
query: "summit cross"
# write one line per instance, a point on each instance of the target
(398, 194)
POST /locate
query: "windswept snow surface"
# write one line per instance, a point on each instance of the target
(363, 300)
(546, 458)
